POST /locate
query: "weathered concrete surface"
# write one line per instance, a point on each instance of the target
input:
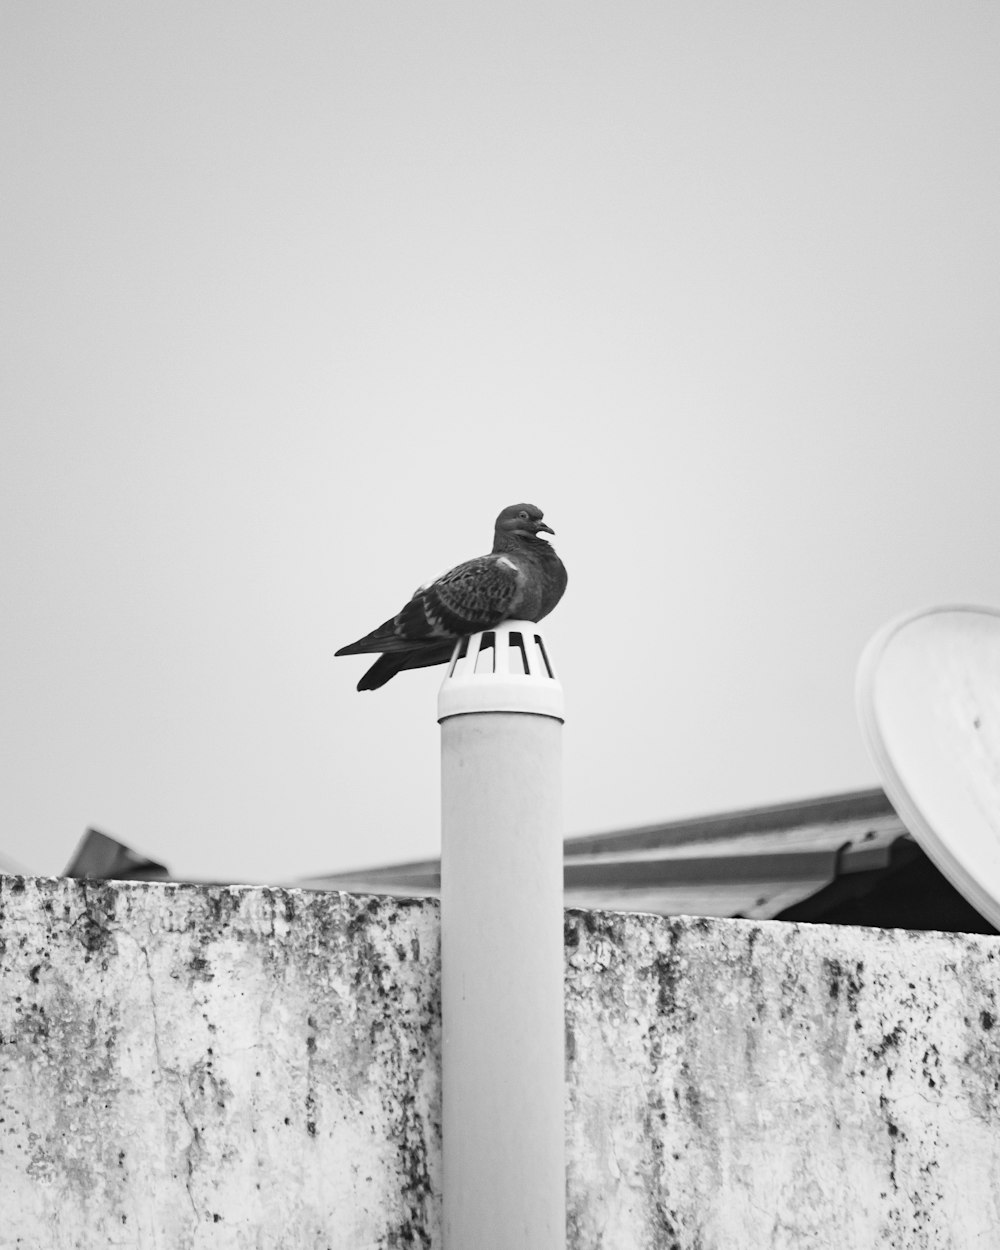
(241, 1067)
(226, 1067)
(740, 1085)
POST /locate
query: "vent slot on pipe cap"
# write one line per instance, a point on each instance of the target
(505, 669)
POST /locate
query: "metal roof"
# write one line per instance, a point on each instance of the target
(815, 859)
(845, 858)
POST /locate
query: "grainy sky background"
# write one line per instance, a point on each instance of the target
(295, 297)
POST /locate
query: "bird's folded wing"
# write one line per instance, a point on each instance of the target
(470, 597)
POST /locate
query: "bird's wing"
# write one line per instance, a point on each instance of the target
(470, 597)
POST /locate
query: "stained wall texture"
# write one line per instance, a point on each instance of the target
(243, 1067)
(233, 1067)
(744, 1085)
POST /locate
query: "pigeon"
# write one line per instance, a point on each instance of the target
(522, 579)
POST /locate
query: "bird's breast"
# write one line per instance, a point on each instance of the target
(530, 601)
(520, 601)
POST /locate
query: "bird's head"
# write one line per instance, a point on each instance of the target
(523, 520)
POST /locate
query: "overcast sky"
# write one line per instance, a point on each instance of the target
(296, 297)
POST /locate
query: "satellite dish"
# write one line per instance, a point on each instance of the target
(929, 705)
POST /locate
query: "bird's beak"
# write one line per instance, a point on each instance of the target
(540, 525)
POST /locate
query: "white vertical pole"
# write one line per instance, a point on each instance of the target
(502, 972)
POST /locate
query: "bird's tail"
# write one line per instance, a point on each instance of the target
(389, 665)
(382, 639)
(385, 667)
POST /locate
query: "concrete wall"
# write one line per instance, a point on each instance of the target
(736, 1085)
(187, 1067)
(243, 1067)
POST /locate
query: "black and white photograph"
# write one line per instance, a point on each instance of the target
(499, 625)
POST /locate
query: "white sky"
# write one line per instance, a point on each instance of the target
(295, 297)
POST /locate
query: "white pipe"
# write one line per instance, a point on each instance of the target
(502, 953)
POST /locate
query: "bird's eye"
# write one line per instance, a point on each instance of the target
(523, 515)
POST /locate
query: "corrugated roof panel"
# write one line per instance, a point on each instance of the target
(756, 900)
(824, 859)
(805, 838)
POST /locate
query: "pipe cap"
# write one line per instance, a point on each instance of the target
(504, 669)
